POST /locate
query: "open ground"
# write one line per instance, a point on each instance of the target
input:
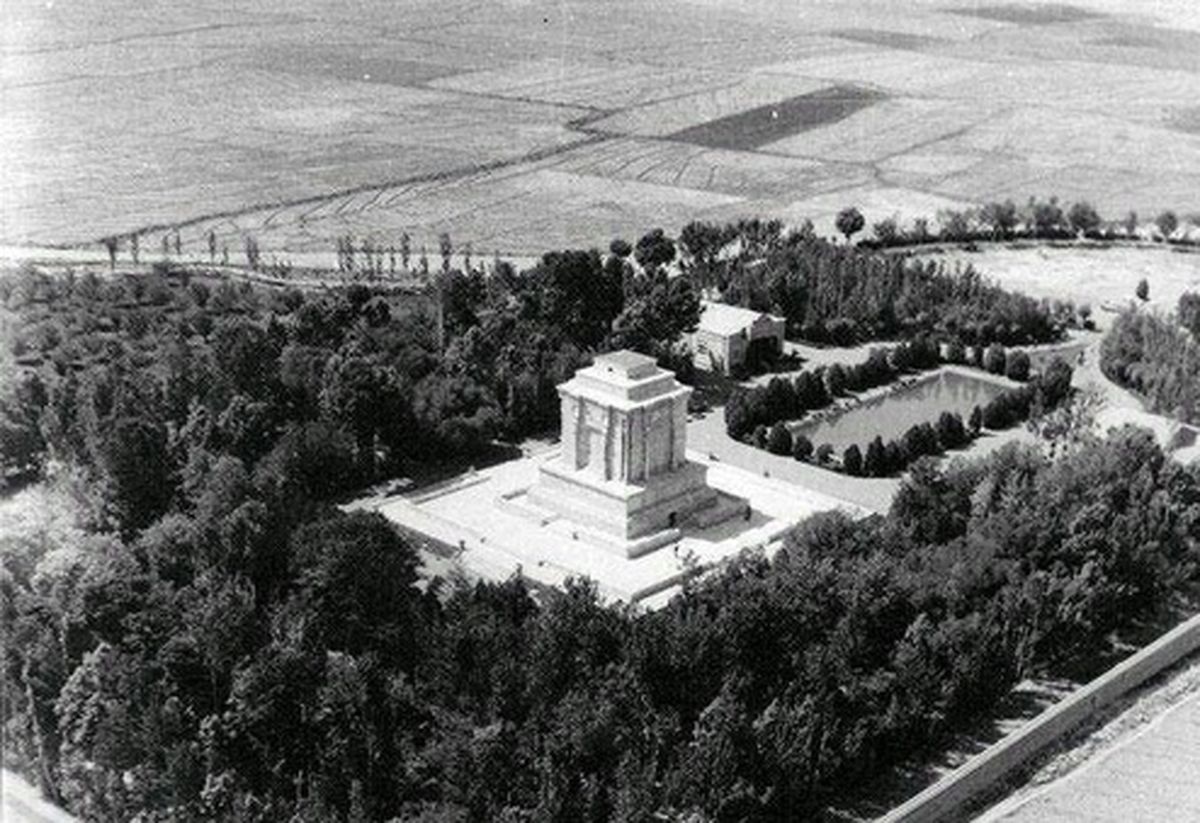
(521, 125)
(1103, 276)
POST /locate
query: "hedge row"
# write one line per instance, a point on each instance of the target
(783, 399)
(882, 459)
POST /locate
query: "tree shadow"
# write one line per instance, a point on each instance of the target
(429, 472)
(945, 753)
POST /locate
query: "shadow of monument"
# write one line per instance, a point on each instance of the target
(730, 529)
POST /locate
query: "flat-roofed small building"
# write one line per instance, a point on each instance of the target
(729, 337)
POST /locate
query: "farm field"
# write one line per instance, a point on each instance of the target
(1103, 277)
(521, 125)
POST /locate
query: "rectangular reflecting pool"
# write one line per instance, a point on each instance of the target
(891, 415)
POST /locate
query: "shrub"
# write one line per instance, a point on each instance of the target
(852, 460)
(950, 431)
(921, 440)
(824, 453)
(835, 380)
(760, 436)
(994, 359)
(875, 463)
(1018, 366)
(802, 447)
(956, 352)
(1167, 223)
(1143, 290)
(976, 421)
(779, 441)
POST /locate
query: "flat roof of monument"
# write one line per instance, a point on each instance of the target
(627, 363)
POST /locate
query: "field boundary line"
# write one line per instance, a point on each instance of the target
(430, 177)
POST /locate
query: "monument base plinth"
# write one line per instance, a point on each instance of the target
(625, 511)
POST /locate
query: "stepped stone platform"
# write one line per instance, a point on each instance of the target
(622, 502)
(499, 532)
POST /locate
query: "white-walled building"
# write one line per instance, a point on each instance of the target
(728, 337)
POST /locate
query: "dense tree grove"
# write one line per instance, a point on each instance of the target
(1158, 359)
(216, 641)
(839, 294)
(170, 365)
(236, 660)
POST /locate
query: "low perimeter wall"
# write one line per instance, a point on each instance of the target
(982, 774)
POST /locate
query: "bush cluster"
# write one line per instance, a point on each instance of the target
(810, 390)
(882, 459)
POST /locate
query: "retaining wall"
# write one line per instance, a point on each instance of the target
(949, 797)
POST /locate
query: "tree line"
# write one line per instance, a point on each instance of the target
(781, 399)
(1041, 395)
(1002, 220)
(831, 293)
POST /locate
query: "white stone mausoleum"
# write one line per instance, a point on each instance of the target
(623, 470)
(621, 502)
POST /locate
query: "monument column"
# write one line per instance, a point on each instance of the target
(679, 432)
(570, 430)
(620, 446)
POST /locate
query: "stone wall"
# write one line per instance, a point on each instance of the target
(985, 773)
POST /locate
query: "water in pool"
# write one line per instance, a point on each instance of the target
(892, 415)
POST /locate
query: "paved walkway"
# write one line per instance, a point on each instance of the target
(707, 436)
(22, 803)
(1151, 775)
(499, 532)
